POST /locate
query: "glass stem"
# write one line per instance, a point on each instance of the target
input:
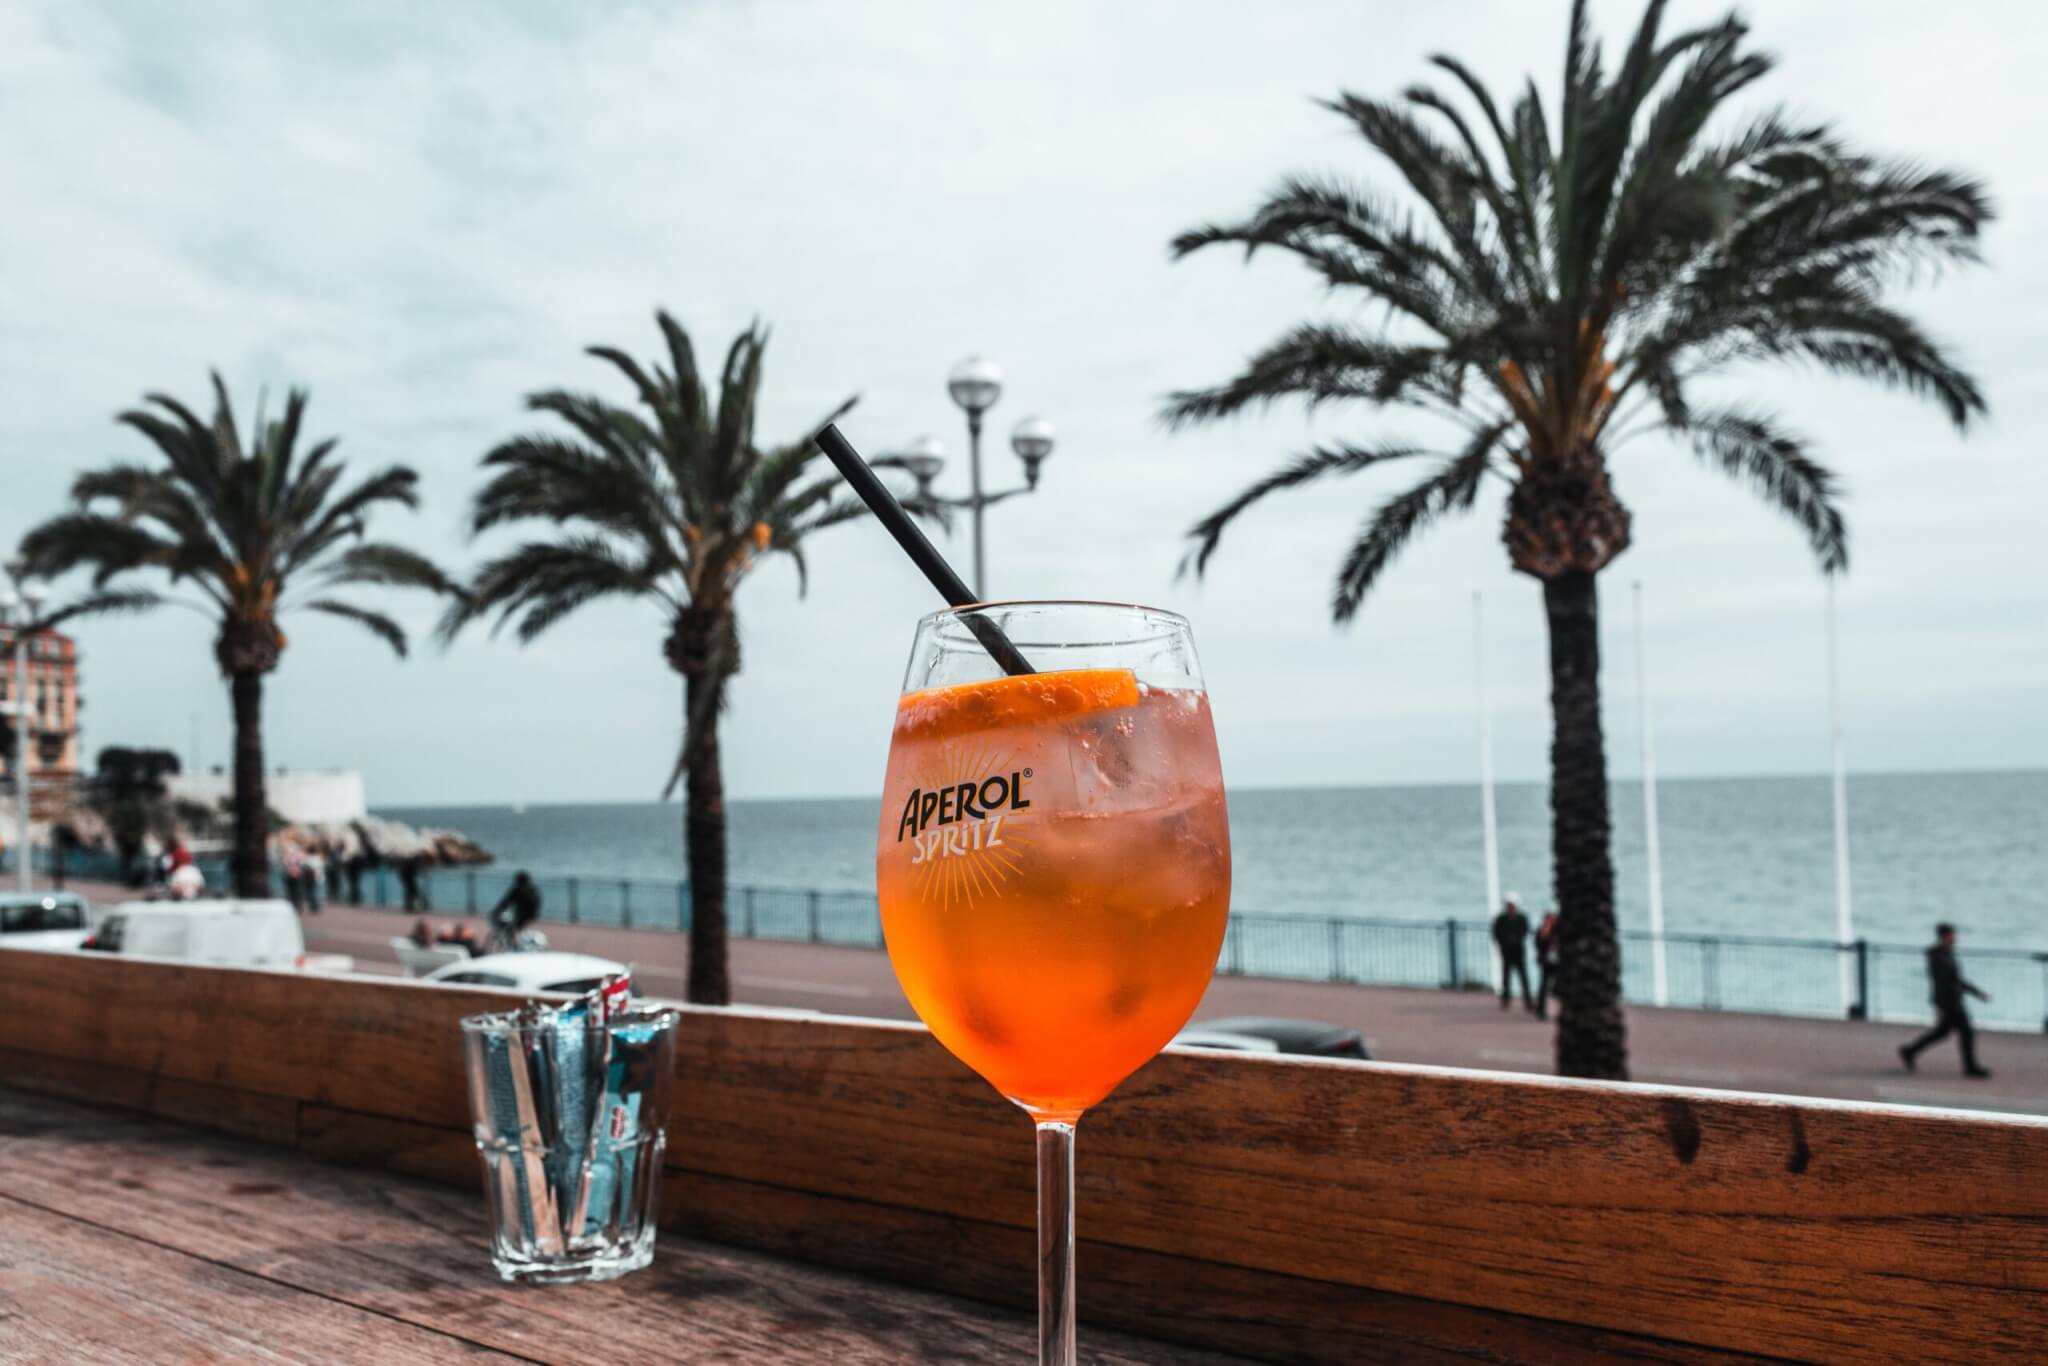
(1055, 1243)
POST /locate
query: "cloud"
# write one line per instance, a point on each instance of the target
(424, 212)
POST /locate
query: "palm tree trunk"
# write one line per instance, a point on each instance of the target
(1591, 1035)
(704, 844)
(252, 807)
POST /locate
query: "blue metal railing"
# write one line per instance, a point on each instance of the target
(1750, 973)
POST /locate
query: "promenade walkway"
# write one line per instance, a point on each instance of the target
(1774, 1054)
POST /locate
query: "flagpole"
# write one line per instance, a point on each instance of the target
(1487, 819)
(1660, 989)
(1844, 922)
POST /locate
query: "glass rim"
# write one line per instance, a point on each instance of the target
(508, 1022)
(960, 613)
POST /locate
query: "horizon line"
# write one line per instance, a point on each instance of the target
(1662, 779)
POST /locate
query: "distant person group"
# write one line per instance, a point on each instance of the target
(1947, 987)
(1511, 936)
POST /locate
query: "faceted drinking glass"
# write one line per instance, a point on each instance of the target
(570, 1120)
(1054, 865)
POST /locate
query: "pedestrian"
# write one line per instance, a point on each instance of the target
(1547, 958)
(187, 882)
(353, 867)
(1511, 937)
(515, 912)
(293, 866)
(331, 856)
(1947, 987)
(409, 881)
(314, 875)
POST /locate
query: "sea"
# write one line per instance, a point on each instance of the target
(1740, 856)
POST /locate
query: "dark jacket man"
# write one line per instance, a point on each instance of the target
(1946, 987)
(1511, 936)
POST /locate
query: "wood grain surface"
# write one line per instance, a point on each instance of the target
(1297, 1210)
(130, 1239)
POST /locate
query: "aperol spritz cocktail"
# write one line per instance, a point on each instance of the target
(1054, 865)
(1054, 873)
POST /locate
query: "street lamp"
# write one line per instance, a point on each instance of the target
(19, 605)
(924, 458)
(1032, 440)
(975, 384)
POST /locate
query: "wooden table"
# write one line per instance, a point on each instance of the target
(127, 1238)
(1288, 1210)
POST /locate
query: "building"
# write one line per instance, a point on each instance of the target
(51, 690)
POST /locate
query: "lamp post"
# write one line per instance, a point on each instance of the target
(19, 604)
(975, 385)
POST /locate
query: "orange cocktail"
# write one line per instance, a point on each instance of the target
(1054, 874)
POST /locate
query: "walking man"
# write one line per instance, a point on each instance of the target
(1511, 936)
(1548, 942)
(1947, 988)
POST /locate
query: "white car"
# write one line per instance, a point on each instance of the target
(43, 920)
(544, 971)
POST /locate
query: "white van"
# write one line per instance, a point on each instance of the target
(246, 934)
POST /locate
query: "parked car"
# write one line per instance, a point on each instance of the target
(1201, 1036)
(43, 920)
(542, 971)
(248, 934)
(1270, 1034)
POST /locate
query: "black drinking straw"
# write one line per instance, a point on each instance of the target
(922, 552)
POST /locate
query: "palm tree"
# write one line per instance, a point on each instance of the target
(255, 532)
(1558, 295)
(673, 502)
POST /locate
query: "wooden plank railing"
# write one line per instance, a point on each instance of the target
(1293, 1210)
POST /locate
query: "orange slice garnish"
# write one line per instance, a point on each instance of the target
(1028, 700)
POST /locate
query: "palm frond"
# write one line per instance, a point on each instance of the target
(345, 515)
(776, 471)
(731, 453)
(276, 448)
(105, 603)
(692, 403)
(1774, 462)
(388, 565)
(383, 627)
(1447, 184)
(618, 432)
(541, 582)
(1207, 534)
(1354, 240)
(107, 544)
(1318, 363)
(547, 478)
(1395, 522)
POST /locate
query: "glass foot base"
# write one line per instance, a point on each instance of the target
(606, 1266)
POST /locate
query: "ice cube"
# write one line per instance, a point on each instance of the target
(1121, 763)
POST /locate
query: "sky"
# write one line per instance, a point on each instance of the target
(424, 212)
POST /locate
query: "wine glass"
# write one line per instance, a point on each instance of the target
(1054, 865)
